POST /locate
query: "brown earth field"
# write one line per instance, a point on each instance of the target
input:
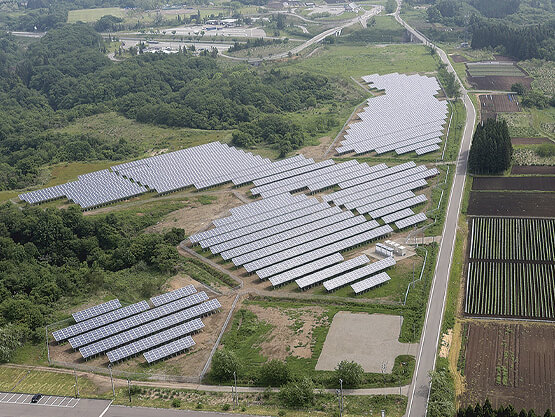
(516, 204)
(458, 58)
(499, 103)
(532, 169)
(498, 82)
(510, 363)
(529, 141)
(514, 183)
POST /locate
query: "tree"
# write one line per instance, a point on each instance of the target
(10, 339)
(491, 150)
(390, 6)
(273, 373)
(224, 364)
(518, 88)
(297, 393)
(433, 14)
(351, 373)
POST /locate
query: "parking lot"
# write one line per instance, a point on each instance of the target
(46, 400)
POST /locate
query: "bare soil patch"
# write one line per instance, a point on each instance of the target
(532, 169)
(514, 183)
(516, 204)
(510, 364)
(458, 58)
(529, 141)
(196, 216)
(317, 151)
(498, 82)
(368, 339)
(292, 331)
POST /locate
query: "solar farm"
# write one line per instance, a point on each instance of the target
(156, 330)
(407, 118)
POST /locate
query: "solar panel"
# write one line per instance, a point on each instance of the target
(359, 273)
(99, 321)
(173, 295)
(137, 320)
(96, 310)
(370, 282)
(324, 251)
(307, 268)
(421, 198)
(409, 221)
(318, 277)
(148, 328)
(169, 349)
(157, 339)
(398, 215)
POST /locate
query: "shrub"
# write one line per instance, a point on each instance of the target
(225, 407)
(298, 393)
(351, 373)
(273, 373)
(176, 403)
(546, 150)
(224, 363)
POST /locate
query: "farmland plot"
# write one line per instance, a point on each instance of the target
(511, 269)
(513, 239)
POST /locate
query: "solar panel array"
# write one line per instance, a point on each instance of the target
(409, 221)
(317, 277)
(89, 191)
(370, 282)
(157, 339)
(359, 273)
(136, 320)
(96, 310)
(173, 295)
(149, 328)
(408, 117)
(169, 349)
(201, 166)
(95, 322)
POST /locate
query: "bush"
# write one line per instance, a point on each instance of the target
(546, 150)
(225, 407)
(351, 373)
(176, 403)
(298, 393)
(224, 364)
(273, 373)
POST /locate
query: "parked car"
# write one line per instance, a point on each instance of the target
(36, 398)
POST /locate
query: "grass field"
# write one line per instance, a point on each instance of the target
(47, 383)
(92, 15)
(356, 61)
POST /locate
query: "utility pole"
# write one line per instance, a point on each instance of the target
(235, 396)
(340, 398)
(76, 384)
(129, 389)
(112, 380)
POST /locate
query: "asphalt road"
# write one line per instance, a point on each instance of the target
(121, 411)
(426, 359)
(50, 406)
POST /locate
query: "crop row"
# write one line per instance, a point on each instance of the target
(511, 289)
(512, 239)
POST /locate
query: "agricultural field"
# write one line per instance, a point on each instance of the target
(522, 290)
(511, 203)
(513, 183)
(486, 69)
(543, 73)
(92, 15)
(509, 363)
(511, 268)
(491, 104)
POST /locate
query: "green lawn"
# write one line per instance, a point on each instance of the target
(92, 15)
(356, 61)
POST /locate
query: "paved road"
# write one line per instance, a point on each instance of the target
(121, 411)
(19, 405)
(426, 359)
(318, 38)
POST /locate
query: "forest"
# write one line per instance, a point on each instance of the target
(66, 75)
(486, 410)
(50, 256)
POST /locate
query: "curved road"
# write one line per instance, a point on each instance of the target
(419, 392)
(318, 38)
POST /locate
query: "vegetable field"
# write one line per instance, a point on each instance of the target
(513, 239)
(511, 289)
(511, 269)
